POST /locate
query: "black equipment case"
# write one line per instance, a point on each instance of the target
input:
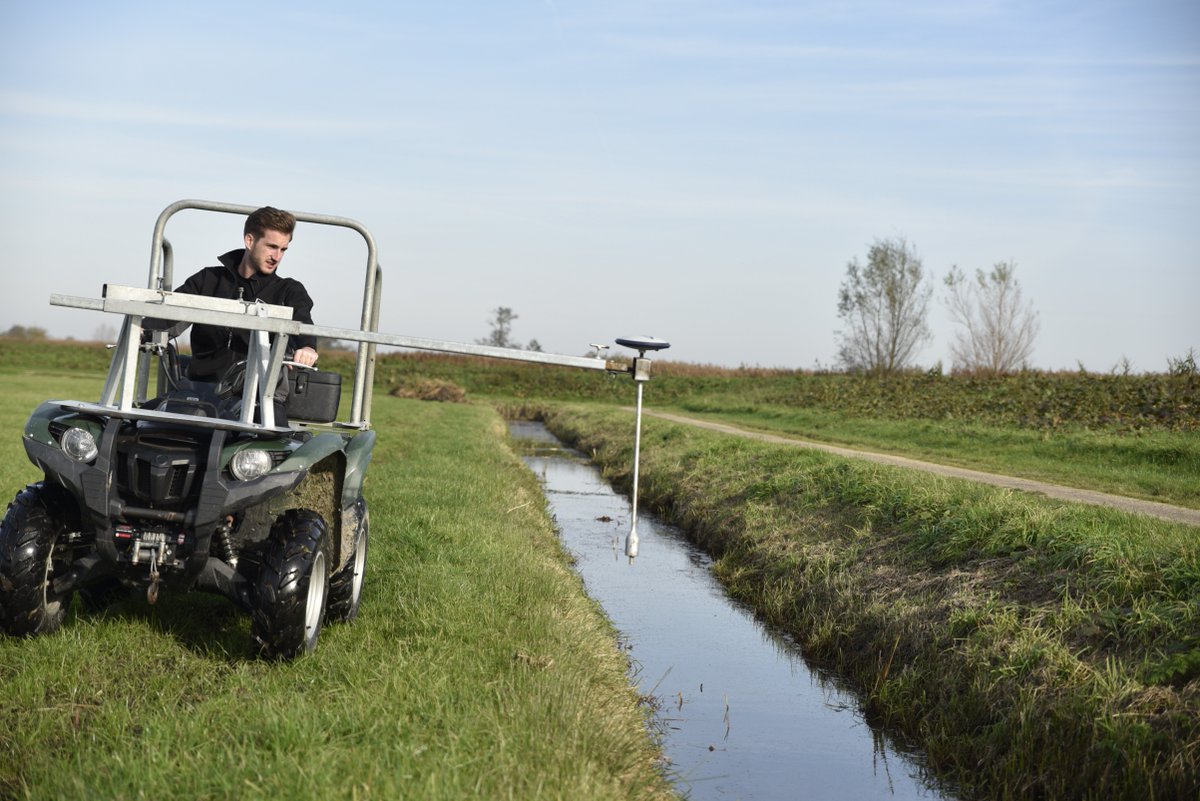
(313, 395)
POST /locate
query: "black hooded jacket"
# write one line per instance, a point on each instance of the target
(215, 348)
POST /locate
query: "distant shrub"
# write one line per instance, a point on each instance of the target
(1028, 399)
(1184, 365)
(30, 332)
(431, 389)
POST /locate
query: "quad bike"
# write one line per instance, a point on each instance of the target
(196, 486)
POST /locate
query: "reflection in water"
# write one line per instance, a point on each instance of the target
(742, 715)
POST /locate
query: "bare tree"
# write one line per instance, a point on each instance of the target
(501, 336)
(501, 329)
(999, 325)
(884, 305)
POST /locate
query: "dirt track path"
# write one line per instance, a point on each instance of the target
(1176, 514)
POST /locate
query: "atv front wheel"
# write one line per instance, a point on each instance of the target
(33, 550)
(345, 588)
(292, 585)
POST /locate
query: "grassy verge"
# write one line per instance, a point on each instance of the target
(1101, 433)
(1154, 465)
(477, 668)
(1129, 435)
(1036, 649)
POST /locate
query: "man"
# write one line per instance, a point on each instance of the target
(249, 274)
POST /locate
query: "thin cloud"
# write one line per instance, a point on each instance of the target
(729, 49)
(50, 107)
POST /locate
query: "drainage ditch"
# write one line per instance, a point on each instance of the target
(740, 713)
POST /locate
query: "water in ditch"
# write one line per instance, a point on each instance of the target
(742, 716)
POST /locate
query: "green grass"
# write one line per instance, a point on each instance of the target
(1034, 648)
(1037, 649)
(1155, 465)
(1132, 435)
(477, 668)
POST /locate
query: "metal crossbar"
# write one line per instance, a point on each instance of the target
(161, 266)
(137, 304)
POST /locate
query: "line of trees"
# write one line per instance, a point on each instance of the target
(884, 305)
(30, 332)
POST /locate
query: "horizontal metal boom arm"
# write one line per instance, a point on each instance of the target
(181, 307)
(512, 354)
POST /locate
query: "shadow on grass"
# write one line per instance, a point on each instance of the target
(208, 625)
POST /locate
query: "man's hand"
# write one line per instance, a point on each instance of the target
(305, 356)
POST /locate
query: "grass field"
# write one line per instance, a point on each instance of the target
(477, 668)
(1135, 435)
(1036, 649)
(1154, 465)
(1129, 435)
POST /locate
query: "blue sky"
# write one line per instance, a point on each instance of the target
(698, 171)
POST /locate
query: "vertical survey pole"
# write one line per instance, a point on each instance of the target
(631, 541)
(641, 374)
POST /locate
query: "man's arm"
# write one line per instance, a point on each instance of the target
(306, 346)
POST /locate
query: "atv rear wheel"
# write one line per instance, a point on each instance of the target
(33, 551)
(292, 586)
(345, 588)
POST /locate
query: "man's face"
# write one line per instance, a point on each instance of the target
(266, 251)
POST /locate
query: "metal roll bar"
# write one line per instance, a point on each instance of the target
(364, 369)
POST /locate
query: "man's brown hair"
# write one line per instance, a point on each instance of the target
(269, 218)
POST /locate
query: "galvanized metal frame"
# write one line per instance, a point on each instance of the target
(137, 304)
(364, 368)
(128, 376)
(264, 361)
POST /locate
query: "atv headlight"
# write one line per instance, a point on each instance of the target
(249, 463)
(79, 444)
